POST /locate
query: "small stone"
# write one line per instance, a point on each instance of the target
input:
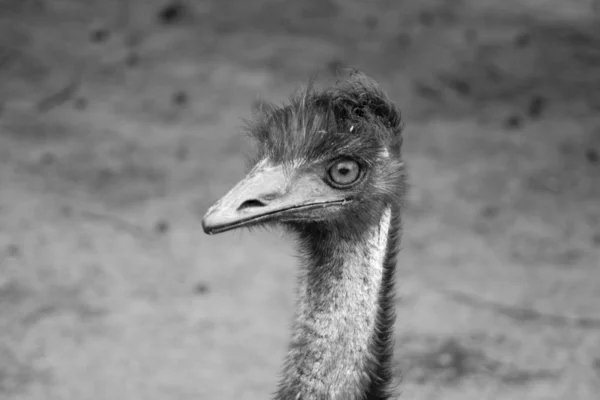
(80, 103)
(536, 107)
(47, 158)
(490, 211)
(523, 39)
(180, 98)
(513, 122)
(201, 288)
(162, 227)
(493, 73)
(66, 210)
(426, 18)
(592, 156)
(132, 59)
(172, 13)
(13, 250)
(427, 91)
(463, 87)
(570, 256)
(459, 85)
(99, 35)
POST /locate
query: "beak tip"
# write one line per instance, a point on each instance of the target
(206, 227)
(212, 223)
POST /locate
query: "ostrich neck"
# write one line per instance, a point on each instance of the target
(341, 346)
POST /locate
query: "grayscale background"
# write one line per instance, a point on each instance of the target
(120, 124)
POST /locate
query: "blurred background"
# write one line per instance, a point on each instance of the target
(120, 124)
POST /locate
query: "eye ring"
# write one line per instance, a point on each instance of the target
(344, 172)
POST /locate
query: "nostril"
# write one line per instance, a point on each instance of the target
(250, 204)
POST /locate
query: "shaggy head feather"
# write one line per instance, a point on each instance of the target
(355, 120)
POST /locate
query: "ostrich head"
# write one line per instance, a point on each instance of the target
(328, 161)
(329, 169)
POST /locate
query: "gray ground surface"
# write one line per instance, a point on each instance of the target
(113, 146)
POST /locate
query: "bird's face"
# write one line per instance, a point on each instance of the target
(329, 189)
(314, 167)
(280, 193)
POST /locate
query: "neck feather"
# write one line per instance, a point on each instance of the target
(342, 342)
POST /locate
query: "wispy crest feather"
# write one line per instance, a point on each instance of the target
(352, 113)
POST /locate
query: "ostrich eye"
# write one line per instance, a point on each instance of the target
(344, 172)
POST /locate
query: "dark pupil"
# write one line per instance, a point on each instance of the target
(344, 170)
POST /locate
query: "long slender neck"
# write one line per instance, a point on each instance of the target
(342, 342)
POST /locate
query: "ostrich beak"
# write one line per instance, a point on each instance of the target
(267, 194)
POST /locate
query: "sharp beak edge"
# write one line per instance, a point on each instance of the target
(265, 194)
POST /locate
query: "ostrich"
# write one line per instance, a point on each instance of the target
(329, 170)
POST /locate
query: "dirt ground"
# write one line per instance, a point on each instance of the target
(119, 126)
